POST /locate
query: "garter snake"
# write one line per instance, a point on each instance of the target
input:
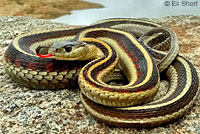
(90, 54)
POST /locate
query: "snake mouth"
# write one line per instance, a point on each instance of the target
(42, 55)
(68, 58)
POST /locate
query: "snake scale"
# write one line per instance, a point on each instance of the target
(130, 50)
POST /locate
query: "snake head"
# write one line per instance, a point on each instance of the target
(58, 50)
(70, 50)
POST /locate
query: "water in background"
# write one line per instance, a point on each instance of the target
(131, 9)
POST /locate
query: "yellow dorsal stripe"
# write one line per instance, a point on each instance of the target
(101, 62)
(185, 90)
(136, 43)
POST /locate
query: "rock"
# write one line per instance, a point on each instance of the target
(48, 9)
(35, 111)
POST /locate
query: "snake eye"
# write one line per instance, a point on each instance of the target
(68, 48)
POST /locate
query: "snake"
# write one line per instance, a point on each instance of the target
(136, 51)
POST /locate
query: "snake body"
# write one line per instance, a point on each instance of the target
(141, 49)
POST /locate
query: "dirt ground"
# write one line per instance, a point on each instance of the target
(45, 9)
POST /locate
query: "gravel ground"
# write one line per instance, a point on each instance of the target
(24, 111)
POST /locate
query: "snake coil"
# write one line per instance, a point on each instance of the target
(92, 54)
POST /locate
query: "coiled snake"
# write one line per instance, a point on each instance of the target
(94, 55)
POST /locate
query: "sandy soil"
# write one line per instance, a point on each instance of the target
(47, 9)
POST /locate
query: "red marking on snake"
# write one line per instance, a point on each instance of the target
(50, 67)
(139, 73)
(134, 58)
(150, 87)
(17, 62)
(32, 66)
(137, 65)
(130, 54)
(124, 91)
(126, 50)
(9, 58)
(123, 46)
(91, 84)
(137, 91)
(64, 68)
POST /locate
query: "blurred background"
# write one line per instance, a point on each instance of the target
(84, 12)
